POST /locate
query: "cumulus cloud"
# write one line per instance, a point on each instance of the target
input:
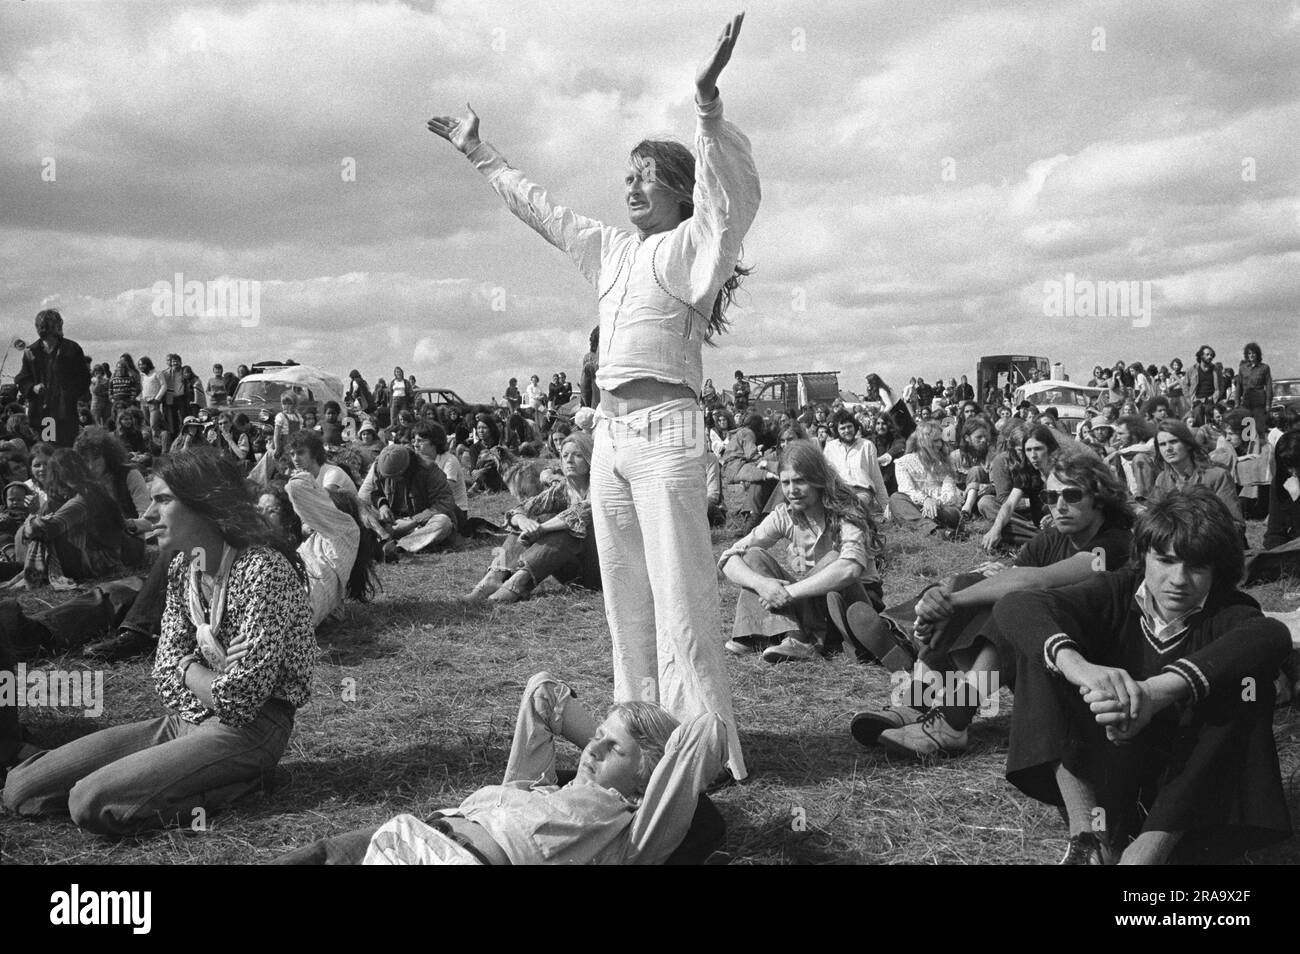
(926, 168)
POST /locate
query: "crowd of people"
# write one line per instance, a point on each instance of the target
(1118, 619)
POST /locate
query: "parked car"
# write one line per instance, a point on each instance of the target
(262, 389)
(1073, 402)
(1001, 370)
(790, 391)
(1286, 391)
(444, 400)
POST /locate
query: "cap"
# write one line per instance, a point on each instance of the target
(191, 420)
(367, 426)
(393, 460)
(19, 484)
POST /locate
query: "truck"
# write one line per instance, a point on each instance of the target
(790, 391)
(1001, 370)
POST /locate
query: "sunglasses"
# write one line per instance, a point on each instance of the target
(1071, 495)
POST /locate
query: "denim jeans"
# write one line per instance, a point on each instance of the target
(649, 510)
(150, 774)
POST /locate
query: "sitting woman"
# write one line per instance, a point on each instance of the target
(1181, 462)
(336, 546)
(639, 784)
(833, 548)
(78, 533)
(106, 459)
(1026, 462)
(235, 586)
(487, 458)
(889, 447)
(747, 462)
(927, 499)
(551, 534)
(720, 427)
(970, 463)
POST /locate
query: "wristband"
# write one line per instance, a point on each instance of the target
(183, 666)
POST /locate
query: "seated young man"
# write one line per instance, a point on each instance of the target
(414, 501)
(307, 453)
(832, 545)
(1090, 532)
(854, 459)
(1144, 698)
(638, 786)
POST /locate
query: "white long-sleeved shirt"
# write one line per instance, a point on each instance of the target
(656, 293)
(917, 483)
(331, 548)
(858, 465)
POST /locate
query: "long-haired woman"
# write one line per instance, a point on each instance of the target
(335, 545)
(927, 498)
(833, 546)
(124, 385)
(235, 587)
(79, 532)
(663, 290)
(970, 462)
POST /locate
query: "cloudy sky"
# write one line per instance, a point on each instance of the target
(928, 169)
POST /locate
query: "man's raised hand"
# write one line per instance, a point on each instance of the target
(461, 132)
(706, 80)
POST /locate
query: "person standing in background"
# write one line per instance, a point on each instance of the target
(54, 376)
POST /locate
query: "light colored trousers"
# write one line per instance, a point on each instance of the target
(661, 587)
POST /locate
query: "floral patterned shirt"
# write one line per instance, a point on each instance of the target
(266, 604)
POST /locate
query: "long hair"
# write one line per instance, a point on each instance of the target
(807, 459)
(927, 443)
(1285, 456)
(1045, 436)
(213, 486)
(66, 476)
(1083, 468)
(363, 581)
(1170, 425)
(107, 446)
(672, 167)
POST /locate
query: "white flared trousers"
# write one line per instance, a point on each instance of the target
(656, 559)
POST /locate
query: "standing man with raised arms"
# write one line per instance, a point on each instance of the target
(663, 287)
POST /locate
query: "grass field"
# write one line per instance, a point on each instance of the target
(437, 685)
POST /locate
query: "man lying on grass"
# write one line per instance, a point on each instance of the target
(636, 791)
(1091, 516)
(1144, 698)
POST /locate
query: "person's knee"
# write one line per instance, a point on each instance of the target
(91, 806)
(757, 560)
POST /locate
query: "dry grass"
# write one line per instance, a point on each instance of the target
(437, 685)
